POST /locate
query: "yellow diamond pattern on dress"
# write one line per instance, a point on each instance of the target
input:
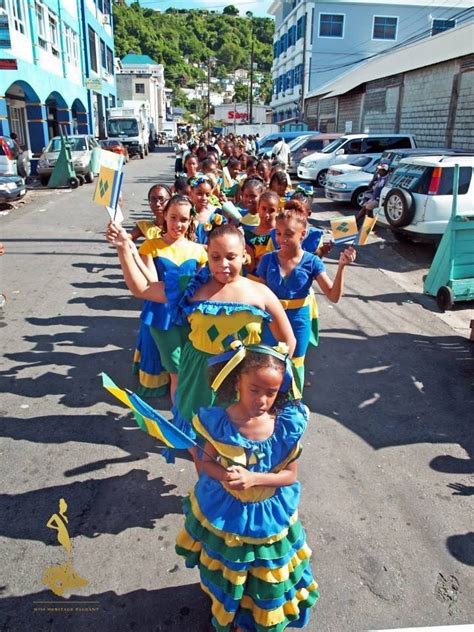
(211, 333)
(243, 333)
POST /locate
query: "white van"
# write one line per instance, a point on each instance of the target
(348, 147)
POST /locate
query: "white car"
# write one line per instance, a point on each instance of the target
(345, 149)
(417, 199)
(82, 146)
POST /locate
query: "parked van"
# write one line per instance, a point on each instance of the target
(348, 147)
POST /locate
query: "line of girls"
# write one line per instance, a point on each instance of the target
(204, 296)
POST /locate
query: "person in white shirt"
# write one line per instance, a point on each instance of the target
(281, 151)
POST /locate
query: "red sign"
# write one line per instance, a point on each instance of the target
(236, 115)
(8, 64)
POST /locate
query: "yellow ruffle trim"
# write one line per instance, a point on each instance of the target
(267, 618)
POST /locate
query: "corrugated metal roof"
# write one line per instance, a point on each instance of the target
(456, 42)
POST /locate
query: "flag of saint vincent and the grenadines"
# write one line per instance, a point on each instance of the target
(344, 230)
(148, 419)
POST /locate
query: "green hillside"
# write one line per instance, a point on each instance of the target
(177, 38)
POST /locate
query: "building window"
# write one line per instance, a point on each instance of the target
(106, 7)
(41, 26)
(103, 55)
(139, 88)
(53, 34)
(385, 28)
(439, 26)
(92, 49)
(300, 27)
(331, 25)
(72, 46)
(275, 50)
(18, 12)
(110, 61)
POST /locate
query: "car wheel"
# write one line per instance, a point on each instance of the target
(44, 180)
(322, 177)
(445, 297)
(358, 197)
(399, 207)
(89, 177)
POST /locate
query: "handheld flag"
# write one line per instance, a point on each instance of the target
(344, 229)
(152, 422)
(148, 419)
(108, 187)
(366, 229)
(228, 181)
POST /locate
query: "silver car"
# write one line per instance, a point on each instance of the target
(82, 146)
(349, 183)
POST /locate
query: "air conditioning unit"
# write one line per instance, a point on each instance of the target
(106, 19)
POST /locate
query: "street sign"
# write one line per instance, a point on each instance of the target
(94, 84)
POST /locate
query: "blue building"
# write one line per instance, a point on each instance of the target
(315, 42)
(56, 68)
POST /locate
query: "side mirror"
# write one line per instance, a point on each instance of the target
(340, 152)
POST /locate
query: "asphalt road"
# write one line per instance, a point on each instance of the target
(387, 470)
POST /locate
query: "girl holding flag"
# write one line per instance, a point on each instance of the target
(219, 305)
(289, 272)
(241, 520)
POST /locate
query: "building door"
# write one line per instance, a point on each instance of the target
(17, 120)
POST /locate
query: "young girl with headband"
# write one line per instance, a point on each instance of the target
(241, 527)
(173, 257)
(290, 271)
(147, 365)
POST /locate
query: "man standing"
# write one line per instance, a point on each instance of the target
(281, 151)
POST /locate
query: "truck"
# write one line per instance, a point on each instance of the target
(130, 124)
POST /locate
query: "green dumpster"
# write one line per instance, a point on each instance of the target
(64, 174)
(451, 276)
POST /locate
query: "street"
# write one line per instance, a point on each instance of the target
(387, 472)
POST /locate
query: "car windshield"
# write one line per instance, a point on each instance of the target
(333, 146)
(123, 126)
(297, 142)
(362, 161)
(78, 143)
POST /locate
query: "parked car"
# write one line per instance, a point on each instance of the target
(13, 160)
(116, 147)
(265, 145)
(82, 146)
(349, 183)
(305, 145)
(12, 188)
(417, 199)
(315, 166)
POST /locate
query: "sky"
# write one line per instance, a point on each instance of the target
(258, 7)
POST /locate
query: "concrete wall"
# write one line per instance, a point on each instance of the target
(435, 103)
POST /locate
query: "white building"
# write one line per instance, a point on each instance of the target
(142, 79)
(315, 42)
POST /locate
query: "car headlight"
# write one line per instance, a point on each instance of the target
(308, 165)
(82, 162)
(42, 162)
(339, 185)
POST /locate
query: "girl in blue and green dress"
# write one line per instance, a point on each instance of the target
(147, 365)
(218, 305)
(173, 258)
(242, 529)
(290, 271)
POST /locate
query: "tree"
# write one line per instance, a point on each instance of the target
(231, 55)
(230, 10)
(240, 91)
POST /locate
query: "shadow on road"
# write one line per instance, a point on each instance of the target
(95, 506)
(394, 390)
(174, 609)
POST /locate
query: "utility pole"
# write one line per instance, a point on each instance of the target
(303, 69)
(208, 93)
(252, 49)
